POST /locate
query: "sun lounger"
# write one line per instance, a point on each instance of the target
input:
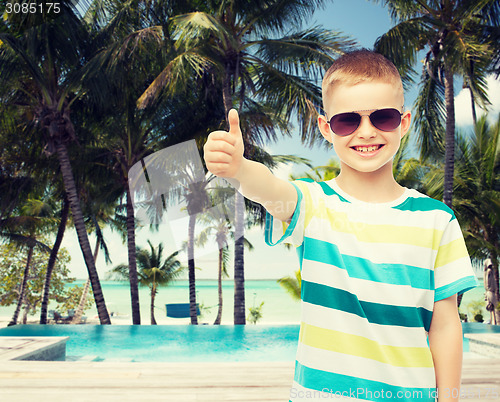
(180, 310)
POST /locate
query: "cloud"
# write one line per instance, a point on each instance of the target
(463, 108)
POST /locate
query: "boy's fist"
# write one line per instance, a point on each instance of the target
(223, 151)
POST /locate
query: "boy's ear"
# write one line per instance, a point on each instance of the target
(324, 127)
(405, 123)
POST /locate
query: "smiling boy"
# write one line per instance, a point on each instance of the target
(381, 264)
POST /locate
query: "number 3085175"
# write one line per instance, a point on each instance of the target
(32, 8)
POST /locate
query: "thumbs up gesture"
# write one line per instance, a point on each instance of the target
(223, 151)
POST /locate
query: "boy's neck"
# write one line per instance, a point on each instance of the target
(376, 187)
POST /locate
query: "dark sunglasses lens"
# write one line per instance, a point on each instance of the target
(345, 123)
(386, 119)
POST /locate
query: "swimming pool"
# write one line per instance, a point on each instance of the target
(170, 343)
(186, 343)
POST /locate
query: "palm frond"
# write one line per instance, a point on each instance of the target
(311, 51)
(174, 76)
(414, 34)
(429, 117)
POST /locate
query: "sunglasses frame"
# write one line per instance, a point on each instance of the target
(369, 116)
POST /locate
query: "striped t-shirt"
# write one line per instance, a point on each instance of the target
(371, 273)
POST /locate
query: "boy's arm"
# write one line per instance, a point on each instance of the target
(223, 153)
(445, 341)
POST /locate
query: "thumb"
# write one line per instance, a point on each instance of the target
(234, 122)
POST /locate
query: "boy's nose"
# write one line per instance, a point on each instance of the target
(365, 129)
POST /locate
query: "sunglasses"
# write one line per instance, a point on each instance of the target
(344, 124)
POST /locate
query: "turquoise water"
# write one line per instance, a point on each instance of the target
(186, 343)
(173, 343)
(278, 307)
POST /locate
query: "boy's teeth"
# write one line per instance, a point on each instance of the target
(367, 149)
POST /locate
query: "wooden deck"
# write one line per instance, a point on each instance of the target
(179, 382)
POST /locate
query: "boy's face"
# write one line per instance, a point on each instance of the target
(365, 98)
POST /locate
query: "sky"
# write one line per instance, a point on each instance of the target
(364, 21)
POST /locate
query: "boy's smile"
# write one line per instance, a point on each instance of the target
(367, 149)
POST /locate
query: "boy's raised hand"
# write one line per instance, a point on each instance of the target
(223, 151)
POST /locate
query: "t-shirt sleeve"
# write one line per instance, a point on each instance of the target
(453, 271)
(277, 232)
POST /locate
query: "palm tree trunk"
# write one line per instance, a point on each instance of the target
(20, 300)
(52, 260)
(153, 294)
(132, 262)
(25, 313)
(449, 153)
(239, 263)
(473, 104)
(76, 211)
(494, 259)
(472, 100)
(219, 287)
(191, 267)
(226, 94)
(83, 299)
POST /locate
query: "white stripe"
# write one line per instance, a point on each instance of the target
(389, 253)
(452, 232)
(367, 290)
(361, 367)
(377, 215)
(434, 219)
(337, 320)
(298, 393)
(454, 270)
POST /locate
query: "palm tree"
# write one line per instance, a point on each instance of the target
(477, 191)
(218, 222)
(237, 40)
(34, 218)
(456, 36)
(52, 259)
(153, 271)
(131, 58)
(104, 218)
(219, 227)
(41, 58)
(409, 172)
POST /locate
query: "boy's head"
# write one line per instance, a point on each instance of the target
(357, 67)
(364, 118)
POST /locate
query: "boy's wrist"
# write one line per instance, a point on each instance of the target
(241, 171)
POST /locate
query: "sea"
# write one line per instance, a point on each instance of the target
(278, 308)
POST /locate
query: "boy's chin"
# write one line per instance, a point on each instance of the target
(367, 168)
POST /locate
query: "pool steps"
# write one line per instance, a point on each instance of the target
(52, 348)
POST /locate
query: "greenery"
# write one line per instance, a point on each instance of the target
(476, 309)
(154, 271)
(12, 266)
(72, 300)
(255, 313)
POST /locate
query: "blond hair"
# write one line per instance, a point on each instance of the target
(359, 66)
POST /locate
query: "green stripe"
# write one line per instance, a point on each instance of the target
(268, 231)
(361, 268)
(354, 387)
(326, 189)
(376, 313)
(425, 204)
(459, 286)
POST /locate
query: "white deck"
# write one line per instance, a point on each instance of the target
(179, 382)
